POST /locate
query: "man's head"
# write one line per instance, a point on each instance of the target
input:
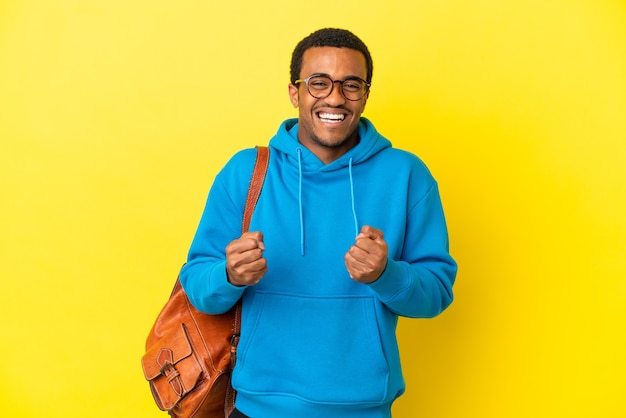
(337, 38)
(330, 74)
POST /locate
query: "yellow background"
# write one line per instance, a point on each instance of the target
(115, 116)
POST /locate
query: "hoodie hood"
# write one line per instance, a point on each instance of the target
(286, 142)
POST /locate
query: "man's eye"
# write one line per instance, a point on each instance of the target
(319, 84)
(352, 85)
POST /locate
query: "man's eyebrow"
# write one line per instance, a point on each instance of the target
(320, 75)
(348, 77)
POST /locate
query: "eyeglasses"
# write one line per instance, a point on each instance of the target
(321, 86)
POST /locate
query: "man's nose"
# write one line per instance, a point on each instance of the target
(336, 94)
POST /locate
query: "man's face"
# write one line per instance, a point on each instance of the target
(329, 126)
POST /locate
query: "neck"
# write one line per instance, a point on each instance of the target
(327, 153)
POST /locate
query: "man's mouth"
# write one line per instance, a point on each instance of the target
(331, 117)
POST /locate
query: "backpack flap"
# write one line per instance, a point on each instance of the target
(171, 368)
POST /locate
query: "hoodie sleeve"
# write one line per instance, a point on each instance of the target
(419, 284)
(203, 277)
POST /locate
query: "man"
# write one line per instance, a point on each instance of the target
(348, 234)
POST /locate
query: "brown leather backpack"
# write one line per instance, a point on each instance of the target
(190, 355)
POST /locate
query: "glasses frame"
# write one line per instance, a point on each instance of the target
(306, 81)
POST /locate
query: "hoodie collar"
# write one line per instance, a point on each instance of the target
(370, 143)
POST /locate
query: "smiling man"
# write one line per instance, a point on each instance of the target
(348, 234)
(337, 92)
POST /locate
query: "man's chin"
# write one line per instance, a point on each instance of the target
(332, 138)
(332, 141)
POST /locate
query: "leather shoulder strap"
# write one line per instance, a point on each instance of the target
(254, 191)
(256, 184)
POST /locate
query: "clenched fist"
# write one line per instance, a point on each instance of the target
(367, 258)
(245, 264)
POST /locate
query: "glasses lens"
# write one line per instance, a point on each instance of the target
(320, 86)
(353, 89)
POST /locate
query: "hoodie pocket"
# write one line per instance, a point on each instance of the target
(324, 350)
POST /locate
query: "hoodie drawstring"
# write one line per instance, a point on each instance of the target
(299, 151)
(356, 223)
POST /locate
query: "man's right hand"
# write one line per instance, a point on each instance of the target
(245, 264)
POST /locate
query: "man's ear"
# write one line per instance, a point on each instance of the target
(293, 95)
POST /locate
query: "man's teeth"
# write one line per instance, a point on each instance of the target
(332, 116)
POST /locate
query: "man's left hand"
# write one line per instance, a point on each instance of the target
(367, 258)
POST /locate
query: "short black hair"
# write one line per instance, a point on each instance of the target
(338, 38)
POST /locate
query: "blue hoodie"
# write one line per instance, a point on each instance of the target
(314, 342)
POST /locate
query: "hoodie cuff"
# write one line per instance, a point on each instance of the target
(221, 289)
(393, 281)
